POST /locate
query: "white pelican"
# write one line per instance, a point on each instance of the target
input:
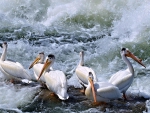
(101, 91)
(55, 80)
(12, 71)
(123, 79)
(82, 72)
(37, 65)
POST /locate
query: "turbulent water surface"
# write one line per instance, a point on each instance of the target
(64, 28)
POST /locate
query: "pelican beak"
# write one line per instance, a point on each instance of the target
(47, 63)
(93, 89)
(135, 58)
(34, 62)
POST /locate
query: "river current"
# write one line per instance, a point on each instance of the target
(100, 28)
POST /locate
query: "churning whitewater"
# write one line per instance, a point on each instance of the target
(64, 28)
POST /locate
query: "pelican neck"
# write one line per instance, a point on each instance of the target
(3, 56)
(81, 60)
(128, 64)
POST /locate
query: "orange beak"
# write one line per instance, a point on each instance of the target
(93, 89)
(135, 58)
(46, 64)
(34, 62)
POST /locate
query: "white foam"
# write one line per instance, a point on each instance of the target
(134, 21)
(13, 96)
(73, 81)
(147, 106)
(113, 24)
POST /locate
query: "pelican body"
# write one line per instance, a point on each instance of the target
(11, 70)
(82, 72)
(101, 91)
(55, 80)
(37, 65)
(123, 79)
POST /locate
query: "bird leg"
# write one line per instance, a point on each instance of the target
(43, 85)
(52, 94)
(124, 96)
(83, 90)
(12, 81)
(99, 103)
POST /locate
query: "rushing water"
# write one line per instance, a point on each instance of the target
(64, 28)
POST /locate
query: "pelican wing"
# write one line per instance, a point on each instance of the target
(56, 81)
(107, 90)
(122, 79)
(14, 69)
(82, 73)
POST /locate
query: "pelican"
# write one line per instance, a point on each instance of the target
(83, 71)
(37, 65)
(55, 80)
(101, 91)
(12, 71)
(123, 79)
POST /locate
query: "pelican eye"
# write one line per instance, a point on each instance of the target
(50, 58)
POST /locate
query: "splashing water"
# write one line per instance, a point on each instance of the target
(64, 28)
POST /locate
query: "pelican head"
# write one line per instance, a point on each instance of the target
(49, 61)
(92, 85)
(82, 53)
(3, 45)
(127, 53)
(91, 76)
(39, 59)
(82, 58)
